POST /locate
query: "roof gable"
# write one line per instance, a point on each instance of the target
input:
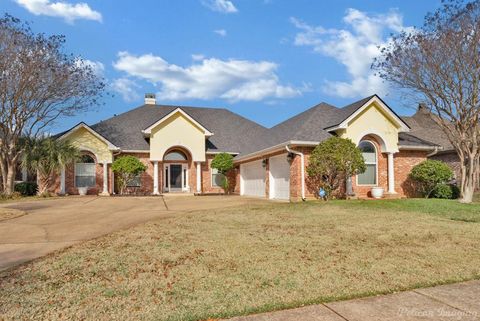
(72, 130)
(147, 131)
(351, 111)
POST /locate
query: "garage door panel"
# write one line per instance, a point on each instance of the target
(253, 179)
(279, 177)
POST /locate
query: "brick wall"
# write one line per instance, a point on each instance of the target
(382, 170)
(146, 178)
(452, 160)
(233, 178)
(405, 160)
(70, 179)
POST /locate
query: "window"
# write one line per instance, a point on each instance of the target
(85, 172)
(175, 155)
(217, 178)
(135, 181)
(369, 152)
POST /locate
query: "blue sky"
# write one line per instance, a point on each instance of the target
(264, 59)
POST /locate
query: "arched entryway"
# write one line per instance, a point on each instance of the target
(176, 170)
(379, 161)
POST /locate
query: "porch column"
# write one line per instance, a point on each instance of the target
(113, 183)
(349, 187)
(391, 174)
(199, 177)
(62, 181)
(105, 179)
(24, 174)
(155, 178)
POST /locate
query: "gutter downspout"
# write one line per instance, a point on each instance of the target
(118, 152)
(434, 152)
(302, 168)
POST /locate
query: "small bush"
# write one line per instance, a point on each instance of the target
(429, 174)
(445, 191)
(223, 162)
(27, 188)
(13, 196)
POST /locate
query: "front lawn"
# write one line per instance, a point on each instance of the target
(448, 209)
(237, 261)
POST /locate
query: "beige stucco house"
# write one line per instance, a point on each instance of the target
(177, 144)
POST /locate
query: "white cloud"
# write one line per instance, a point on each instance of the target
(197, 57)
(221, 32)
(355, 47)
(127, 88)
(223, 6)
(69, 12)
(97, 67)
(211, 78)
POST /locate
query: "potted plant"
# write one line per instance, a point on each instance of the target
(82, 191)
(377, 192)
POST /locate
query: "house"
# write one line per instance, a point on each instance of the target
(178, 144)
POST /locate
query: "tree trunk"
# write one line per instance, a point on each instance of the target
(10, 179)
(469, 180)
(3, 174)
(467, 194)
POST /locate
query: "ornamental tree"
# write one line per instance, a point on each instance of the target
(332, 162)
(47, 156)
(439, 64)
(223, 162)
(429, 174)
(39, 84)
(127, 168)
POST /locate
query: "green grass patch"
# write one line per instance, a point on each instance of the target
(449, 209)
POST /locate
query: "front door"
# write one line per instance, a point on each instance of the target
(175, 177)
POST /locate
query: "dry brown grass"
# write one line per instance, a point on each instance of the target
(9, 213)
(242, 260)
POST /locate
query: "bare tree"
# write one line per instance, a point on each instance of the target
(39, 84)
(440, 64)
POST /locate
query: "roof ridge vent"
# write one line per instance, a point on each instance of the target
(150, 99)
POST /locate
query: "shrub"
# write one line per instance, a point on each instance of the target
(429, 174)
(446, 191)
(331, 162)
(27, 188)
(127, 167)
(223, 162)
(13, 196)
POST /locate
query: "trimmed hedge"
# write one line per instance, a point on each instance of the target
(26, 188)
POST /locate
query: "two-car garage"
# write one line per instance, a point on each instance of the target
(253, 178)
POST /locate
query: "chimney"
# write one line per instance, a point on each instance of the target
(150, 99)
(422, 108)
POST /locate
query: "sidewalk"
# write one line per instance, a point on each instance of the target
(460, 301)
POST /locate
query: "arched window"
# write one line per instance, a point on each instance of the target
(175, 155)
(85, 172)
(369, 152)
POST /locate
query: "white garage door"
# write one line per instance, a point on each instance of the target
(279, 177)
(252, 179)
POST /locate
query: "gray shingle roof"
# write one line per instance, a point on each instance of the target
(310, 125)
(424, 127)
(234, 133)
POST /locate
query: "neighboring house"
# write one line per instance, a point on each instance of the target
(22, 175)
(422, 125)
(178, 144)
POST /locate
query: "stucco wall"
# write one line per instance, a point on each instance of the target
(85, 140)
(177, 131)
(373, 120)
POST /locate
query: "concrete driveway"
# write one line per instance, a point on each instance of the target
(53, 224)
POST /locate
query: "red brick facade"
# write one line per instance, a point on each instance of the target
(404, 161)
